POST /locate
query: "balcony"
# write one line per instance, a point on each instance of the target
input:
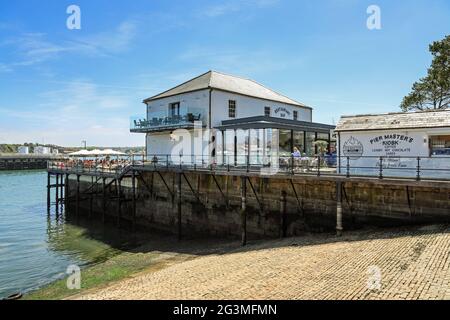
(161, 121)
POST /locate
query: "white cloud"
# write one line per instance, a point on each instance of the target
(5, 68)
(36, 48)
(230, 6)
(239, 60)
(79, 110)
(106, 43)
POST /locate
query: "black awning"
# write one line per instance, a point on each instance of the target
(263, 122)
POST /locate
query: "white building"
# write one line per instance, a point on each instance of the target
(23, 150)
(239, 118)
(42, 150)
(399, 144)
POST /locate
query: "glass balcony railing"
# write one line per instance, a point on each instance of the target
(163, 120)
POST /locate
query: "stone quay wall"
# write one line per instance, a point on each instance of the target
(275, 206)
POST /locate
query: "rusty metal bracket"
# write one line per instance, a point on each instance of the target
(261, 207)
(192, 189)
(299, 204)
(165, 183)
(227, 204)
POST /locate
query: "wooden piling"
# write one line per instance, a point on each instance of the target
(133, 182)
(119, 200)
(283, 215)
(66, 191)
(91, 197)
(57, 194)
(244, 210)
(339, 227)
(78, 196)
(104, 199)
(61, 190)
(48, 192)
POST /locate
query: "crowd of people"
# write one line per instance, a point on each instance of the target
(102, 164)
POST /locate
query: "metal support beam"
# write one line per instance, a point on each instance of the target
(243, 211)
(165, 183)
(61, 194)
(66, 191)
(57, 194)
(133, 182)
(144, 183)
(48, 192)
(192, 189)
(119, 201)
(91, 197)
(227, 204)
(178, 205)
(299, 203)
(78, 195)
(283, 215)
(339, 227)
(104, 199)
(260, 204)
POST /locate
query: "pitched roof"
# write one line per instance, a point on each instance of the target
(399, 120)
(225, 82)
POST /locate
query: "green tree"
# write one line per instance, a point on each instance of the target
(433, 91)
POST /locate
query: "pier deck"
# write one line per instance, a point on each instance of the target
(252, 189)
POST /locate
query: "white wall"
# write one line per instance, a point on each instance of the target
(197, 100)
(186, 142)
(23, 150)
(251, 107)
(385, 143)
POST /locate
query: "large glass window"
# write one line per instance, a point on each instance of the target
(322, 143)
(270, 147)
(256, 146)
(285, 143)
(229, 147)
(309, 143)
(299, 141)
(242, 146)
(219, 147)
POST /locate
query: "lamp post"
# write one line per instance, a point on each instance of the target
(83, 142)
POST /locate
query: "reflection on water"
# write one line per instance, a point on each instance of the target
(36, 248)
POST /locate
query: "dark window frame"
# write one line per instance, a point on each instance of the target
(267, 111)
(295, 115)
(232, 109)
(174, 111)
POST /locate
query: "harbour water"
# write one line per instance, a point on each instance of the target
(36, 248)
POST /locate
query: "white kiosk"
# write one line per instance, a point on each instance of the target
(415, 144)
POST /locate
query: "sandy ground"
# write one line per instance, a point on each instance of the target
(409, 263)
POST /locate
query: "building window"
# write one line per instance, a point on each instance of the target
(440, 145)
(295, 115)
(232, 108)
(267, 111)
(174, 109)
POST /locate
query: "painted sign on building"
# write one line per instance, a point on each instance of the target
(384, 144)
(395, 151)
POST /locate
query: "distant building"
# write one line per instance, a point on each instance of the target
(23, 150)
(42, 150)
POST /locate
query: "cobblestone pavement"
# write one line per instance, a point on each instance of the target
(413, 264)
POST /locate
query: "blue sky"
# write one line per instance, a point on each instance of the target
(63, 86)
